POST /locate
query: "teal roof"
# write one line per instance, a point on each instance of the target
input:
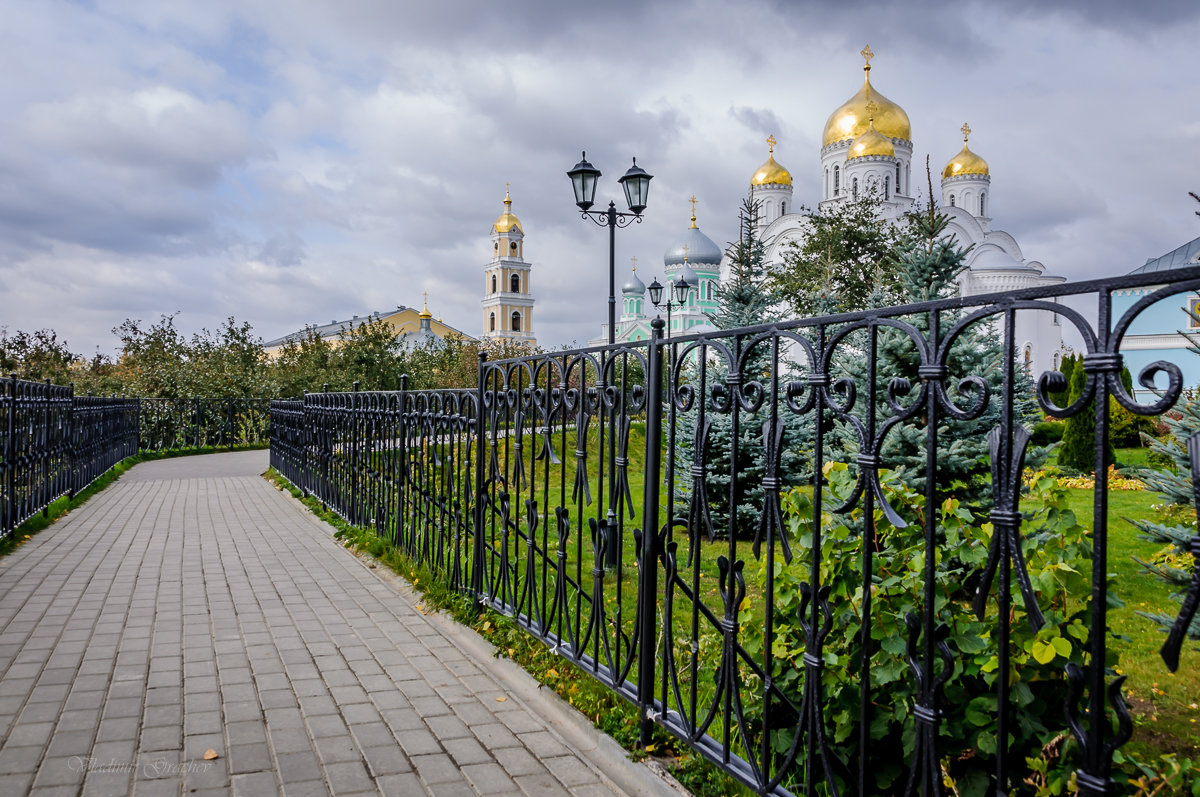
(1186, 255)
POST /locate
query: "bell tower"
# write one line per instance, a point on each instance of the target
(507, 301)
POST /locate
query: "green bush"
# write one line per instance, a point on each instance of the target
(1058, 555)
(1047, 432)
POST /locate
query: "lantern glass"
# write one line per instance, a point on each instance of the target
(681, 291)
(583, 180)
(656, 290)
(636, 183)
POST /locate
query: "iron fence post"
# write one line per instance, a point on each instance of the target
(229, 424)
(47, 491)
(647, 594)
(477, 559)
(354, 455)
(10, 451)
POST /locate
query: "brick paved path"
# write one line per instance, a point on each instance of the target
(192, 605)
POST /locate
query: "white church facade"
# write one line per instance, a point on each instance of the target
(867, 146)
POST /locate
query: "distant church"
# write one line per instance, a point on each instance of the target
(507, 301)
(866, 147)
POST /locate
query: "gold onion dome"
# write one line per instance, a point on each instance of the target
(871, 143)
(965, 162)
(507, 221)
(852, 119)
(425, 312)
(771, 173)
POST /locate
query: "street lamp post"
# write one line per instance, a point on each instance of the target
(676, 297)
(636, 184)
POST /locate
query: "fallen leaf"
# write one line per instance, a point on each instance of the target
(210, 754)
(501, 699)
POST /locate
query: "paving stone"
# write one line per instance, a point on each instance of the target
(196, 608)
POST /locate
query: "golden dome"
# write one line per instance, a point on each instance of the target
(852, 119)
(965, 162)
(871, 143)
(507, 220)
(771, 173)
(425, 312)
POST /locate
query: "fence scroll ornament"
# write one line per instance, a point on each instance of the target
(722, 606)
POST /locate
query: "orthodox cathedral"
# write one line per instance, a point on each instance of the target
(866, 147)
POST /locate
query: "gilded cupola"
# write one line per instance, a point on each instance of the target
(771, 173)
(507, 221)
(965, 162)
(872, 142)
(852, 119)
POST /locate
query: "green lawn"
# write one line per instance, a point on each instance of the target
(1164, 704)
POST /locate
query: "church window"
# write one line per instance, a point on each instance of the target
(514, 284)
(854, 188)
(1057, 360)
(493, 283)
(952, 200)
(782, 208)
(837, 180)
(512, 247)
(516, 322)
(898, 191)
(491, 322)
(1028, 358)
(496, 249)
(887, 187)
(827, 182)
(983, 204)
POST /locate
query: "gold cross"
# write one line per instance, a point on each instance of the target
(966, 131)
(771, 142)
(693, 201)
(685, 251)
(867, 55)
(634, 259)
(427, 300)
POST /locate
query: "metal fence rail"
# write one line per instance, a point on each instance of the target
(57, 443)
(759, 537)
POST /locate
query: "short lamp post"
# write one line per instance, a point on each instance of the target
(676, 297)
(636, 184)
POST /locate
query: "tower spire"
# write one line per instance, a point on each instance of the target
(693, 201)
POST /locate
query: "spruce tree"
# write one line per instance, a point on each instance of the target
(742, 300)
(1078, 450)
(926, 261)
(1176, 526)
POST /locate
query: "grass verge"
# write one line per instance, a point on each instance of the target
(608, 712)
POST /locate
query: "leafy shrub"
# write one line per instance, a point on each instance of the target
(1058, 555)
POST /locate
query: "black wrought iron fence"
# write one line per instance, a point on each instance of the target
(56, 443)
(816, 551)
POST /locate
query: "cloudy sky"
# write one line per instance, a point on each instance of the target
(292, 161)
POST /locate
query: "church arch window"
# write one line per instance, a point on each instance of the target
(493, 283)
(983, 203)
(512, 247)
(898, 190)
(514, 284)
(496, 248)
(782, 208)
(952, 200)
(1057, 360)
(491, 322)
(854, 188)
(827, 182)
(516, 321)
(1028, 357)
(837, 180)
(887, 187)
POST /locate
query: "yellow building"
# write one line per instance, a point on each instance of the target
(414, 328)
(507, 302)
